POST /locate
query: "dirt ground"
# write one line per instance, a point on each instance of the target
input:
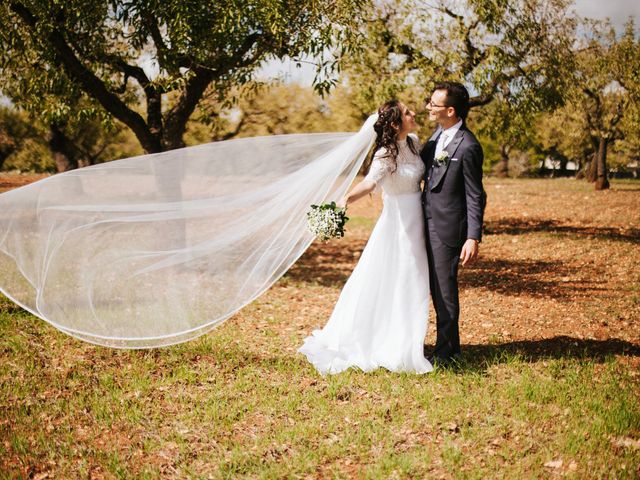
(11, 180)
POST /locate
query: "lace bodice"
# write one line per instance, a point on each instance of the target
(406, 178)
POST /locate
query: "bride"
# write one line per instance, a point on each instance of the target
(380, 319)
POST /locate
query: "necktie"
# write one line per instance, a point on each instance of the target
(441, 143)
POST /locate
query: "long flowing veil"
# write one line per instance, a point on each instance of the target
(158, 249)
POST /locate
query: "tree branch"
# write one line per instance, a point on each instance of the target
(451, 13)
(152, 93)
(488, 96)
(481, 100)
(167, 60)
(474, 55)
(619, 113)
(154, 31)
(177, 117)
(133, 71)
(394, 46)
(236, 130)
(161, 48)
(90, 83)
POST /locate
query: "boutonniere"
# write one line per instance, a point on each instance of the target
(441, 159)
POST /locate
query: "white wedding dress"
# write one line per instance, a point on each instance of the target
(380, 319)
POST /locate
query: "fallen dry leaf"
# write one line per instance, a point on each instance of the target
(625, 442)
(553, 464)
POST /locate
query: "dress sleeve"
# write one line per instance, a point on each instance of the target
(381, 166)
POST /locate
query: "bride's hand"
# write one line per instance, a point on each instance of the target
(342, 203)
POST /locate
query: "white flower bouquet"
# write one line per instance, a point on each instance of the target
(327, 221)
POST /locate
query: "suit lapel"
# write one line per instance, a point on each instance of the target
(429, 149)
(439, 172)
(454, 143)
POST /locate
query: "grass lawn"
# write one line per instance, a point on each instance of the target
(549, 385)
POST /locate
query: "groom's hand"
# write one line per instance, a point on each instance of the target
(469, 251)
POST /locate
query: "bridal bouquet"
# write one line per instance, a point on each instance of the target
(327, 221)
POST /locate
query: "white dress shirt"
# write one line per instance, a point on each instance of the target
(446, 136)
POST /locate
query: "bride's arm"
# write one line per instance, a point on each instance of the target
(381, 166)
(363, 188)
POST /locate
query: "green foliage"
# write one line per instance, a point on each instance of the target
(271, 109)
(597, 90)
(599, 102)
(32, 156)
(605, 92)
(26, 143)
(515, 58)
(23, 146)
(15, 129)
(276, 109)
(514, 51)
(71, 61)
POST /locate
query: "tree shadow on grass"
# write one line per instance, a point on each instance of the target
(478, 357)
(331, 264)
(328, 264)
(516, 226)
(530, 278)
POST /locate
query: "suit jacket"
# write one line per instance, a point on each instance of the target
(453, 196)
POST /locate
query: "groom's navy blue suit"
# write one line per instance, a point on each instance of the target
(453, 199)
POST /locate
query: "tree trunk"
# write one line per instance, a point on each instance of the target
(590, 169)
(562, 171)
(61, 150)
(7, 146)
(602, 182)
(583, 163)
(557, 155)
(502, 169)
(4, 154)
(176, 119)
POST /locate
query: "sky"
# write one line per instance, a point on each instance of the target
(618, 11)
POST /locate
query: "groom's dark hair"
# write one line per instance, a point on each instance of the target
(457, 97)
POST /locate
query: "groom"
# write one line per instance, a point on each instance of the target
(453, 199)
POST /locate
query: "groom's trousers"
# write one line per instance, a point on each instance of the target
(443, 283)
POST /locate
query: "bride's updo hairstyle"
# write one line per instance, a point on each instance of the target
(386, 127)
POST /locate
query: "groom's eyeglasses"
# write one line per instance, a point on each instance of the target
(431, 105)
